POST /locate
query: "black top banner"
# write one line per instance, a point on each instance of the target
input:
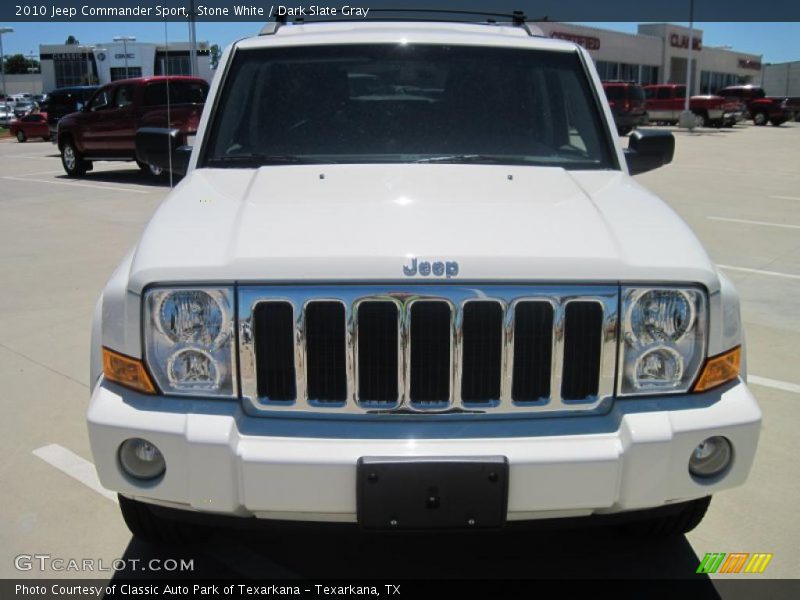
(458, 10)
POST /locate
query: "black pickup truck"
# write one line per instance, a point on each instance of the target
(63, 101)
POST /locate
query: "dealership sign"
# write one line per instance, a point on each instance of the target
(749, 63)
(588, 42)
(682, 41)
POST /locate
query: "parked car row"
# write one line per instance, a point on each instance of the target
(105, 127)
(633, 105)
(92, 123)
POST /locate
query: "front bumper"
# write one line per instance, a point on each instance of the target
(220, 460)
(734, 117)
(630, 119)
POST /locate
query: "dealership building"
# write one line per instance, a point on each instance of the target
(65, 65)
(658, 54)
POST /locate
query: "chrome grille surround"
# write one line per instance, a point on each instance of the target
(403, 296)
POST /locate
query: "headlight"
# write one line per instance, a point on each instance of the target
(189, 340)
(663, 339)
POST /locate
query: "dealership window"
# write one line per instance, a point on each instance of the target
(610, 71)
(628, 72)
(122, 73)
(72, 71)
(711, 82)
(607, 70)
(649, 75)
(173, 64)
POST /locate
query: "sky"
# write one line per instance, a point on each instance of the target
(777, 42)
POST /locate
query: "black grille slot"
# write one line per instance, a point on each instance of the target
(582, 345)
(482, 331)
(533, 351)
(377, 352)
(325, 352)
(430, 352)
(274, 345)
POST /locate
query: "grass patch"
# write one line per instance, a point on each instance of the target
(4, 132)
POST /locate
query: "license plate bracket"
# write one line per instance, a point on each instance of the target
(396, 493)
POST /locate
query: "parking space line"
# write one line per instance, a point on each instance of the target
(784, 197)
(38, 173)
(75, 466)
(774, 383)
(760, 272)
(748, 222)
(75, 183)
(27, 156)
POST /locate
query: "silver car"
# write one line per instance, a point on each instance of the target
(6, 115)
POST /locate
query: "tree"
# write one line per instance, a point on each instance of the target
(215, 53)
(17, 64)
(72, 40)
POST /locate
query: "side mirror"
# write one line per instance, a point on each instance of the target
(648, 150)
(161, 147)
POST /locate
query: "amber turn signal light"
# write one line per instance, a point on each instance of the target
(126, 371)
(720, 369)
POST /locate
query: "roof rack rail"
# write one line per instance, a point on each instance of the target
(516, 18)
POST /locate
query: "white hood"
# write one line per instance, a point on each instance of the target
(362, 223)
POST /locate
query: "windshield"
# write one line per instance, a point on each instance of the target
(407, 103)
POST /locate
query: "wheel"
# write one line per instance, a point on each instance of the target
(21, 137)
(624, 130)
(677, 524)
(700, 120)
(73, 163)
(148, 527)
(760, 118)
(718, 123)
(46, 138)
(152, 170)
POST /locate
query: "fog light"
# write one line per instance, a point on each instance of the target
(711, 457)
(141, 459)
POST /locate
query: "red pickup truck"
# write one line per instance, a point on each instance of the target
(666, 101)
(105, 129)
(760, 107)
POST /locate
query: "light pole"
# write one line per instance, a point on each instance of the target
(32, 70)
(125, 39)
(192, 40)
(3, 60)
(687, 118)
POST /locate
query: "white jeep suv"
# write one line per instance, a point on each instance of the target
(408, 282)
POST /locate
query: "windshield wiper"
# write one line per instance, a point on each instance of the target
(255, 159)
(464, 158)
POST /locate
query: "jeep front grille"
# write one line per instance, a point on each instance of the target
(427, 348)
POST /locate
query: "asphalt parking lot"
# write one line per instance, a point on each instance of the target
(60, 239)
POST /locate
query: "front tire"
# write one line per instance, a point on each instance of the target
(148, 527)
(152, 170)
(72, 161)
(760, 119)
(673, 525)
(700, 120)
(21, 137)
